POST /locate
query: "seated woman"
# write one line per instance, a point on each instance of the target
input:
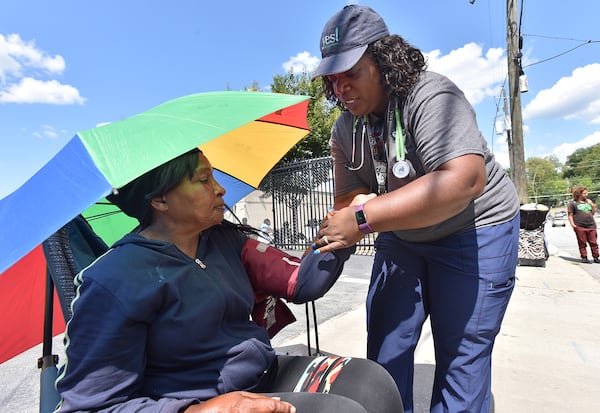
(162, 321)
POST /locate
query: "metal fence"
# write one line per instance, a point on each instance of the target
(302, 192)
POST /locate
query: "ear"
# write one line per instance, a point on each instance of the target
(159, 203)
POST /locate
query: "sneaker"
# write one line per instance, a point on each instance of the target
(597, 260)
(585, 260)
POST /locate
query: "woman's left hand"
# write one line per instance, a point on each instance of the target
(339, 228)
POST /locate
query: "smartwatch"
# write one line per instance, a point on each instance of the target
(361, 219)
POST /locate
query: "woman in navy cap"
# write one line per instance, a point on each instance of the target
(446, 212)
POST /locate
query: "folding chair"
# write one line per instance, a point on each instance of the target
(67, 251)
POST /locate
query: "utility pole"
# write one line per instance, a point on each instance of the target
(515, 137)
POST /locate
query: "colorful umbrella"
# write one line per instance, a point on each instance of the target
(242, 133)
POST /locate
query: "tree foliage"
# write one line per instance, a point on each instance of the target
(545, 184)
(584, 162)
(550, 182)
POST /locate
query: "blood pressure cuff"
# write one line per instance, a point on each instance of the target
(273, 274)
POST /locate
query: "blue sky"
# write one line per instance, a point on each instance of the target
(67, 66)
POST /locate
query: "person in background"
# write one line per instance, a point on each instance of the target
(411, 164)
(266, 231)
(581, 217)
(167, 320)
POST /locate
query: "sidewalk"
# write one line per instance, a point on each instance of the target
(546, 357)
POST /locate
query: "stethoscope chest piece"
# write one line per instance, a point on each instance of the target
(401, 168)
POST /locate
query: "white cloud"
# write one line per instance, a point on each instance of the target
(478, 75)
(17, 56)
(47, 131)
(30, 90)
(566, 149)
(24, 72)
(501, 155)
(302, 62)
(572, 97)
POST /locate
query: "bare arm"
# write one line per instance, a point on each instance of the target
(242, 402)
(593, 206)
(570, 217)
(446, 191)
(344, 200)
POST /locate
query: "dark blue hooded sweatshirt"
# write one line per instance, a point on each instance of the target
(154, 330)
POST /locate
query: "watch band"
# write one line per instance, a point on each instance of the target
(361, 219)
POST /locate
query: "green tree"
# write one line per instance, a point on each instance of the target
(583, 168)
(542, 179)
(584, 162)
(254, 88)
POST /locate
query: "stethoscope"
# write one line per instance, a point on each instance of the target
(402, 167)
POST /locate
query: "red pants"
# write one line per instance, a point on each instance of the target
(587, 236)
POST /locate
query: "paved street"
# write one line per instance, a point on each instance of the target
(563, 240)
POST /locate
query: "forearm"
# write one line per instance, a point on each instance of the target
(429, 200)
(343, 200)
(241, 401)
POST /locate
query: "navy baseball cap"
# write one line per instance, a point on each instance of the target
(346, 37)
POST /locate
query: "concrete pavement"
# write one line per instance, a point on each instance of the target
(546, 357)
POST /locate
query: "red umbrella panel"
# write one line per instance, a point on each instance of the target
(22, 292)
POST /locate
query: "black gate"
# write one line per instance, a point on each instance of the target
(302, 192)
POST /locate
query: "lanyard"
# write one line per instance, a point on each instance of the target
(400, 150)
(391, 126)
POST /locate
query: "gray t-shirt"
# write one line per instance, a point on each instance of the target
(439, 124)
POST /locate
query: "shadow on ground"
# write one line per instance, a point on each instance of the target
(570, 258)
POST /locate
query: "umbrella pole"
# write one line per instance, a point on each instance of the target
(48, 316)
(49, 396)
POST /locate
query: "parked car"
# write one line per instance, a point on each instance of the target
(559, 219)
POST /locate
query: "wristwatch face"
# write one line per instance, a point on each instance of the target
(360, 217)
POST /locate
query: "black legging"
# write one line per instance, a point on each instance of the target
(332, 384)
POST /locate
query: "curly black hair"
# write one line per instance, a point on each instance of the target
(399, 63)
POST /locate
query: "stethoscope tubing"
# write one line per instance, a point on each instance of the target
(399, 146)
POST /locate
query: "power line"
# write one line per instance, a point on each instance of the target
(558, 38)
(521, 24)
(563, 53)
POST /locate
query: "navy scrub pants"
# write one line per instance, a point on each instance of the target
(463, 283)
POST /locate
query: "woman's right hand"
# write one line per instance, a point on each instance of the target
(242, 402)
